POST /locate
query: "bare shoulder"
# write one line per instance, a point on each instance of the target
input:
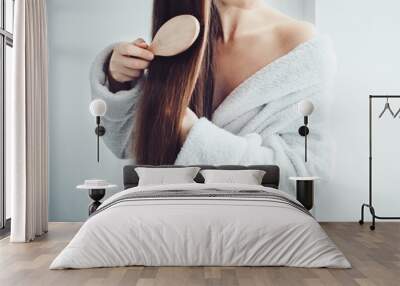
(292, 33)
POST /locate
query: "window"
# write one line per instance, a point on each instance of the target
(6, 65)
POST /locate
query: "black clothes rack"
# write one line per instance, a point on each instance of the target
(370, 205)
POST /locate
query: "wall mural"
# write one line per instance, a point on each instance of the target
(233, 97)
(213, 87)
(207, 90)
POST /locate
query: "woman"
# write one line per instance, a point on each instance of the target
(230, 99)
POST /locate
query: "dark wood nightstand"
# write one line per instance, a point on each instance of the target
(305, 190)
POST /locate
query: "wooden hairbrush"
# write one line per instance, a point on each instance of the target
(175, 36)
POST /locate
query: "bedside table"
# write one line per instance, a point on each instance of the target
(97, 191)
(305, 190)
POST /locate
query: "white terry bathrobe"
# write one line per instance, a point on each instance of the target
(256, 124)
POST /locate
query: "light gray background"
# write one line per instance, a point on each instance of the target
(368, 62)
(368, 49)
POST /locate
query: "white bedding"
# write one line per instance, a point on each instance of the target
(183, 231)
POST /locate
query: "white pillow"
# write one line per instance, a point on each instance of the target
(166, 176)
(248, 177)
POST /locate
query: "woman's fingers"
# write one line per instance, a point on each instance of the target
(132, 73)
(127, 66)
(138, 41)
(141, 43)
(128, 60)
(134, 63)
(136, 52)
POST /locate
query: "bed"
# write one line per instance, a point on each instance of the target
(198, 224)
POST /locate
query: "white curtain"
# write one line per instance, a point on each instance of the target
(29, 121)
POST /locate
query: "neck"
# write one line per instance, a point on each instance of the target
(238, 16)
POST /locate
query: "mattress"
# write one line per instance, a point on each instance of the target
(201, 225)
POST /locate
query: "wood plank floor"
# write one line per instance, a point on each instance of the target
(375, 257)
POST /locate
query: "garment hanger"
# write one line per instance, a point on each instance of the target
(397, 113)
(175, 36)
(387, 107)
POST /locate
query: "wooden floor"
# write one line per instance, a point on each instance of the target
(375, 257)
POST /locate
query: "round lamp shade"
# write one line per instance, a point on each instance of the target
(305, 107)
(98, 107)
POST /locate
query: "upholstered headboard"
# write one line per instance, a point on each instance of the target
(271, 177)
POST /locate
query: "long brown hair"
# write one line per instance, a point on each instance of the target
(175, 83)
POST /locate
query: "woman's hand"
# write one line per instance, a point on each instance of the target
(189, 120)
(129, 60)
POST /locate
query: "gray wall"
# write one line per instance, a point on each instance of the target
(369, 63)
(78, 30)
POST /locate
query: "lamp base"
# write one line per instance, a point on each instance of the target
(96, 195)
